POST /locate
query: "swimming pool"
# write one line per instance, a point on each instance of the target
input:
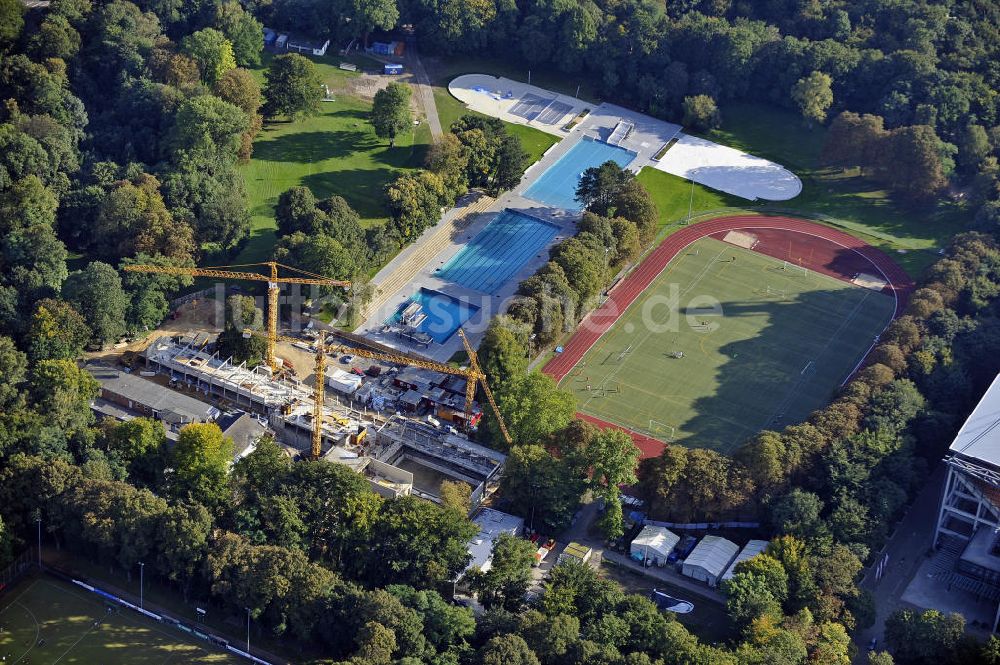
(557, 186)
(444, 314)
(498, 252)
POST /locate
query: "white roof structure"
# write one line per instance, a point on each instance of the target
(491, 524)
(749, 551)
(712, 555)
(655, 541)
(729, 170)
(979, 437)
(343, 382)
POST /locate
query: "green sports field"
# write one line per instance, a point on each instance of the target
(785, 339)
(44, 620)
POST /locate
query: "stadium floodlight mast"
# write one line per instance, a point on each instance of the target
(142, 567)
(248, 628)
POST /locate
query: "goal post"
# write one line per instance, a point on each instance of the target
(656, 428)
(796, 268)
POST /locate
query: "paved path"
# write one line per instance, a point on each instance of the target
(911, 539)
(424, 90)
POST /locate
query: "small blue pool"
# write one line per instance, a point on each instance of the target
(557, 186)
(498, 252)
(442, 314)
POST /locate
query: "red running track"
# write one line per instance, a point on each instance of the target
(827, 248)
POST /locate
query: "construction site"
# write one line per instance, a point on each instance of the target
(400, 419)
(397, 425)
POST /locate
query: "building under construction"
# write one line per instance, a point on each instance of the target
(398, 453)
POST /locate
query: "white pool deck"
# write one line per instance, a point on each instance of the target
(704, 162)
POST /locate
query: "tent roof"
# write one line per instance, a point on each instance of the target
(749, 551)
(713, 554)
(657, 538)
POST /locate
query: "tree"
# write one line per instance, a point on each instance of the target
(182, 542)
(244, 32)
(511, 160)
(391, 112)
(138, 445)
(701, 112)
(924, 638)
(56, 331)
(55, 38)
(11, 22)
(797, 514)
(507, 650)
(534, 407)
(506, 581)
(417, 543)
(240, 88)
(503, 352)
(201, 459)
(911, 162)
(242, 315)
(814, 96)
(456, 495)
(749, 597)
(374, 15)
(447, 158)
(212, 51)
(376, 644)
(599, 185)
(542, 488)
(292, 87)
(319, 254)
(133, 219)
(96, 292)
(414, 201)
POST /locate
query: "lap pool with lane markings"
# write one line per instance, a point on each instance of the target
(557, 186)
(498, 252)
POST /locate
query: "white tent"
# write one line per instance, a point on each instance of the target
(343, 382)
(749, 551)
(710, 559)
(654, 542)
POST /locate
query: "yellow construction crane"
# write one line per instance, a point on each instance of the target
(474, 365)
(273, 280)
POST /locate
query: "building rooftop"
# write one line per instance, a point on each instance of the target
(169, 405)
(979, 437)
(491, 524)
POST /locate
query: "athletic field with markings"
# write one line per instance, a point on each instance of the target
(727, 341)
(46, 620)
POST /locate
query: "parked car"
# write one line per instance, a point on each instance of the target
(346, 360)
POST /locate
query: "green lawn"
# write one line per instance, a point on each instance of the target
(675, 197)
(449, 109)
(334, 152)
(46, 620)
(845, 199)
(784, 341)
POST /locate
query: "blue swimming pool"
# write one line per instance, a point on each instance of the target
(498, 252)
(442, 314)
(557, 186)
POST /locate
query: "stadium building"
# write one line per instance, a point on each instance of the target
(968, 525)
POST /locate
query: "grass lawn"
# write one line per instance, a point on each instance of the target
(858, 205)
(783, 343)
(334, 152)
(47, 620)
(673, 196)
(449, 109)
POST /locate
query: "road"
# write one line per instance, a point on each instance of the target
(911, 539)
